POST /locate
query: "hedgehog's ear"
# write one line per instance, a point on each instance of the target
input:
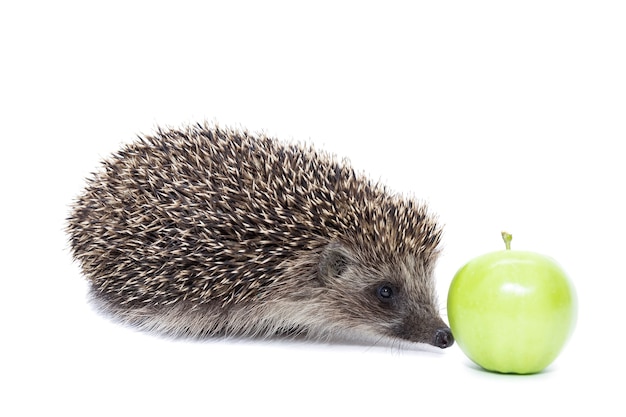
(334, 260)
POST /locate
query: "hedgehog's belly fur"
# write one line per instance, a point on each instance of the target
(273, 319)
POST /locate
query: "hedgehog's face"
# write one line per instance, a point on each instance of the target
(385, 299)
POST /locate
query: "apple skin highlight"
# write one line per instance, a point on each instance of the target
(512, 311)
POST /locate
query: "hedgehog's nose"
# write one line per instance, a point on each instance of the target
(443, 338)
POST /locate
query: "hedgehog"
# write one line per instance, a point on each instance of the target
(206, 231)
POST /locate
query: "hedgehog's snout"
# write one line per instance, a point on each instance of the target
(443, 338)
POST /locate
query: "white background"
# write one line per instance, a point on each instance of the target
(500, 116)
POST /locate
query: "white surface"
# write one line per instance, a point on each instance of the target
(500, 116)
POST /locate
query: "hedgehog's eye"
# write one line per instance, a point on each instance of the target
(385, 293)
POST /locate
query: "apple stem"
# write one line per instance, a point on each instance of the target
(507, 237)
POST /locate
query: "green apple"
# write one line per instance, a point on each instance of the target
(512, 311)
